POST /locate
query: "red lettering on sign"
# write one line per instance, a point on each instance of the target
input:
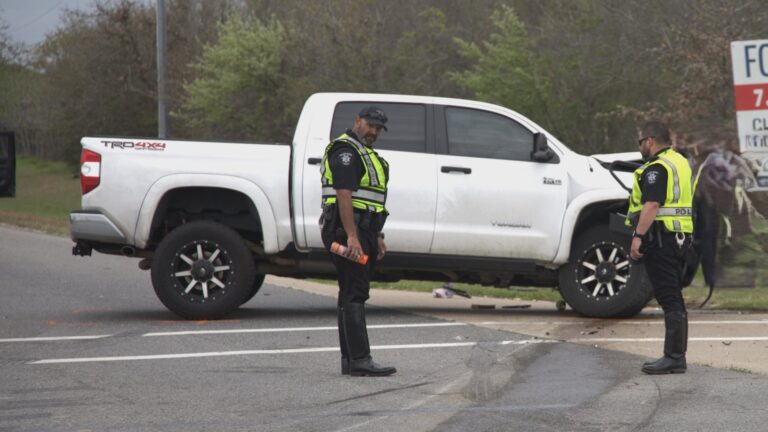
(751, 97)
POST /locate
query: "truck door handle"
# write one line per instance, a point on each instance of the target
(447, 169)
(314, 161)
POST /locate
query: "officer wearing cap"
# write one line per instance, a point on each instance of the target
(354, 185)
(660, 210)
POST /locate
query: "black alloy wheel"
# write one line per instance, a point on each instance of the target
(600, 279)
(603, 270)
(202, 270)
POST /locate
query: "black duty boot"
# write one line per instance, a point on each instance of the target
(675, 346)
(342, 342)
(358, 348)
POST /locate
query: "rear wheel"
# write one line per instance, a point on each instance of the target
(601, 280)
(202, 270)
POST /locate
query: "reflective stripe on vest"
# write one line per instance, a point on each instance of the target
(377, 197)
(372, 192)
(675, 181)
(677, 210)
(680, 211)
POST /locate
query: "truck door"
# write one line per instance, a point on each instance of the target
(408, 146)
(7, 165)
(493, 200)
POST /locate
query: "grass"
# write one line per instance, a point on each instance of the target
(755, 299)
(741, 370)
(47, 191)
(45, 194)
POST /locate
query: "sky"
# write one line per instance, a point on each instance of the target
(28, 21)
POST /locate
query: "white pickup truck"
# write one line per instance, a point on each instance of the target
(478, 193)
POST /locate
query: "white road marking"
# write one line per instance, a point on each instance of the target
(660, 321)
(692, 339)
(53, 339)
(274, 351)
(386, 326)
(295, 329)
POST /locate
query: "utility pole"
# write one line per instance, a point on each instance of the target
(162, 111)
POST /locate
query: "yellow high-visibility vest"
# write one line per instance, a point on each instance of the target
(371, 194)
(676, 212)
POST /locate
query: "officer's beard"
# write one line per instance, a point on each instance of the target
(645, 152)
(368, 139)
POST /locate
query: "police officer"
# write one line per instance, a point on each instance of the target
(354, 182)
(660, 210)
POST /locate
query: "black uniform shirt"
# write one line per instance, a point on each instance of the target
(346, 166)
(653, 182)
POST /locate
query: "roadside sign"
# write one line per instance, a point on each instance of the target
(750, 80)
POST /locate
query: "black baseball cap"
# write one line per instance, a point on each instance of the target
(375, 116)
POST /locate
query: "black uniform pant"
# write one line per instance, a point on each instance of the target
(665, 265)
(354, 278)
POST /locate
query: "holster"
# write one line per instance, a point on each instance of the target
(329, 218)
(370, 221)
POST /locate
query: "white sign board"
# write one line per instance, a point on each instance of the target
(750, 80)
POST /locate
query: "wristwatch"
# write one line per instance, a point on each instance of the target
(638, 235)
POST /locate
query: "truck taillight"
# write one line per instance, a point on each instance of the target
(90, 170)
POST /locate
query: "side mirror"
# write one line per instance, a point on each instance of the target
(541, 151)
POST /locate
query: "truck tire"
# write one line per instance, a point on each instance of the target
(258, 281)
(600, 280)
(202, 270)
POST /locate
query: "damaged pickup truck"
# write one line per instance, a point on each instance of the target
(478, 193)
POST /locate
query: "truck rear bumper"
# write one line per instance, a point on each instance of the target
(95, 227)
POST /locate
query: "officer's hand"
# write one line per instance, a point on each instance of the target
(382, 249)
(354, 249)
(634, 251)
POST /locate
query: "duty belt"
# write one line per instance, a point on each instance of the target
(370, 221)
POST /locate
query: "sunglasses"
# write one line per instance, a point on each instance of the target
(642, 140)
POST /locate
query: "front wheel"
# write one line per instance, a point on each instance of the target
(202, 270)
(601, 280)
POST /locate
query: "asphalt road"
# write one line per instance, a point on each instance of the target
(86, 346)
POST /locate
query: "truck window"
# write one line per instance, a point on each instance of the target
(485, 134)
(406, 124)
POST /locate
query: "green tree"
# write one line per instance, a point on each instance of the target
(695, 59)
(505, 71)
(422, 57)
(96, 77)
(572, 68)
(238, 92)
